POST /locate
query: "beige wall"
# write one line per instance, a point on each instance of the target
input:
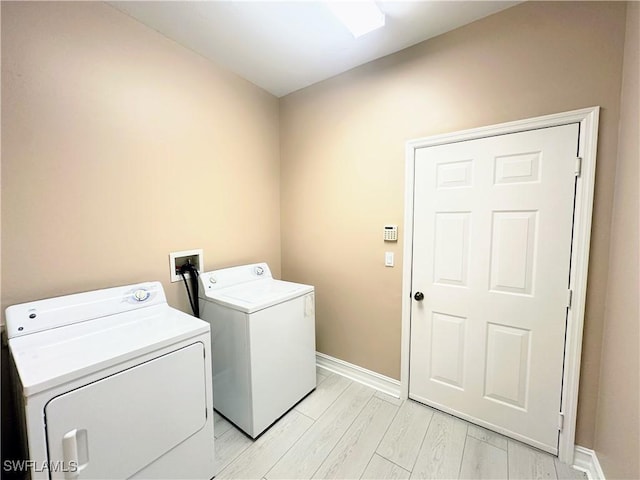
(617, 435)
(104, 119)
(120, 146)
(342, 154)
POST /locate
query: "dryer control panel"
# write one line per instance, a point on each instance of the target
(50, 313)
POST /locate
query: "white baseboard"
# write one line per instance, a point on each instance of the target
(586, 461)
(358, 374)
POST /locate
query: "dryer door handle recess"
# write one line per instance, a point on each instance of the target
(75, 452)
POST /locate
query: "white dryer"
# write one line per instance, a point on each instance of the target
(113, 384)
(263, 338)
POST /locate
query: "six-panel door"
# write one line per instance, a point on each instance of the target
(491, 253)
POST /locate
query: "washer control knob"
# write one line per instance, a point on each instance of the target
(212, 280)
(259, 270)
(141, 295)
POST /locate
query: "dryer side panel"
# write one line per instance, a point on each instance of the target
(116, 426)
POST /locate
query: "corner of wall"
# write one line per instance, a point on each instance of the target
(617, 423)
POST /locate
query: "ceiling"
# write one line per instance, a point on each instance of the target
(285, 46)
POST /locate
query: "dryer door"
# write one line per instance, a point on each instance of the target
(116, 426)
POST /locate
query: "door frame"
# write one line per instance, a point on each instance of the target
(587, 146)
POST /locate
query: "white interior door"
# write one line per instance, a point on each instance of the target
(491, 256)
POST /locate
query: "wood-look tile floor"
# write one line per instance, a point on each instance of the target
(347, 430)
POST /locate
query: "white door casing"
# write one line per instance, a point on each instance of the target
(467, 260)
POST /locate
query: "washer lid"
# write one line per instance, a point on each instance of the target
(253, 296)
(52, 357)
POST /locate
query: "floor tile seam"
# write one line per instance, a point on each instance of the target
(237, 455)
(391, 461)
(463, 450)
(314, 420)
(342, 436)
(324, 378)
(426, 431)
(367, 466)
(388, 401)
(335, 399)
(266, 474)
(485, 441)
(555, 466)
(386, 431)
(508, 456)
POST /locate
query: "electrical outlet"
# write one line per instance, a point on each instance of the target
(178, 259)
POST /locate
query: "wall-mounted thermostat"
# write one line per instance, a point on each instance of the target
(390, 233)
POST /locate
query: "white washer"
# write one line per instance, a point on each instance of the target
(113, 384)
(263, 338)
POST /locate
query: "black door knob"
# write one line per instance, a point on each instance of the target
(418, 296)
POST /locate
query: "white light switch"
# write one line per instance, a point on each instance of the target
(388, 259)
